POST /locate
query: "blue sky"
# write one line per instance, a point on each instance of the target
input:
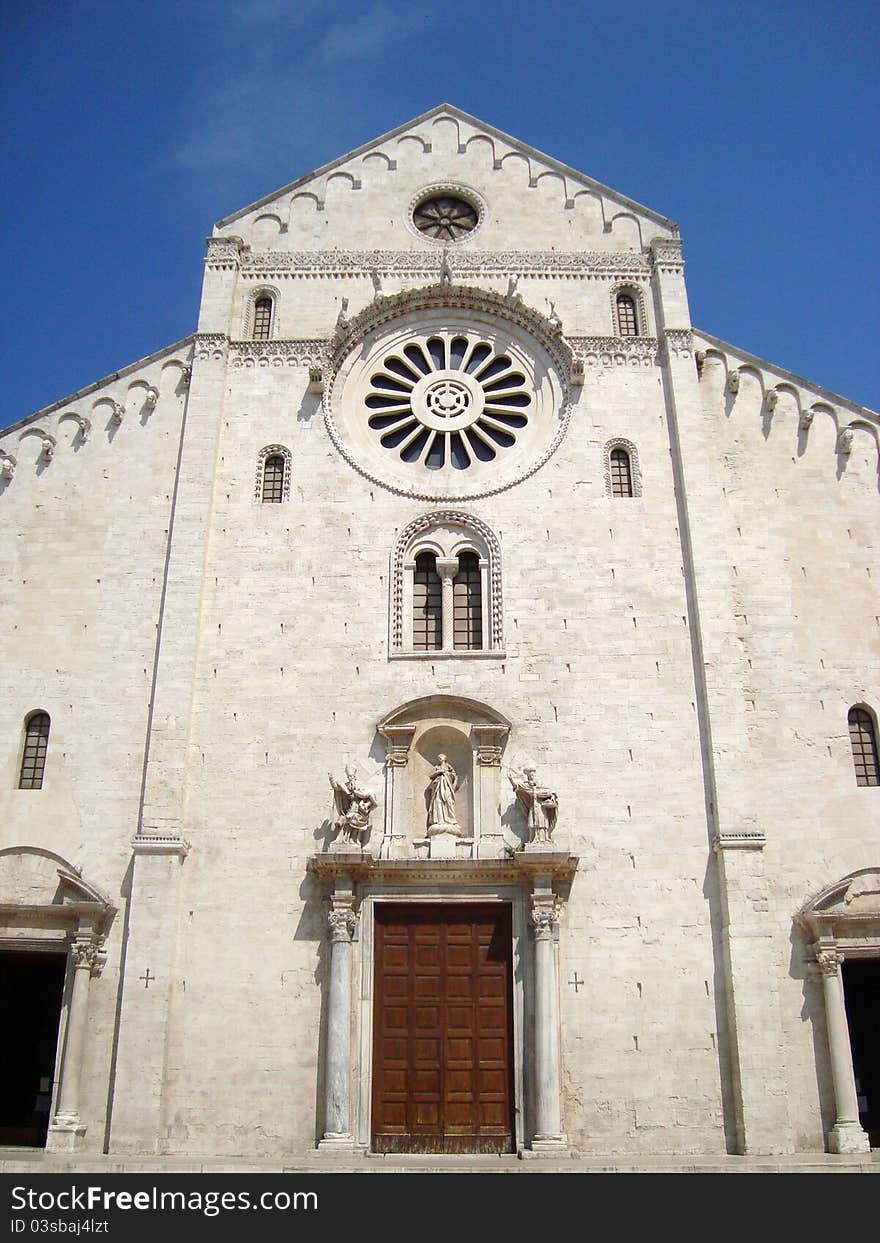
(129, 128)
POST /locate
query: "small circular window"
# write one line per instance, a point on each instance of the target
(450, 400)
(445, 217)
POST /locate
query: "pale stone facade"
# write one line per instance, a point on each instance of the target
(676, 664)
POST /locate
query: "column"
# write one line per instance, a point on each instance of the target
(136, 1120)
(341, 922)
(67, 1128)
(846, 1135)
(447, 568)
(398, 740)
(548, 1138)
(488, 742)
(755, 1033)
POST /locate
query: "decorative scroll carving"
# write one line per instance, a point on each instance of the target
(223, 253)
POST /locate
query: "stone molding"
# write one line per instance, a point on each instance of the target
(160, 844)
(666, 256)
(224, 253)
(678, 343)
(210, 345)
(745, 840)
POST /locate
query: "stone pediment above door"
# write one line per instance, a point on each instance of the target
(42, 894)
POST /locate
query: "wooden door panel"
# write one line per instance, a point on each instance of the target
(442, 1059)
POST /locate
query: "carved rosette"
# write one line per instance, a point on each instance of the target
(341, 922)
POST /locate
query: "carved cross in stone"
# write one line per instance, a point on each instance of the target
(577, 982)
(147, 978)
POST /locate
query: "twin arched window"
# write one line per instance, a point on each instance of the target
(863, 740)
(446, 587)
(33, 756)
(450, 591)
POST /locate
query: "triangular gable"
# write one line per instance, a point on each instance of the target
(505, 146)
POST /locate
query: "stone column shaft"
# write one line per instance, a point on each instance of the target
(548, 1135)
(447, 568)
(846, 1135)
(337, 1069)
(77, 1020)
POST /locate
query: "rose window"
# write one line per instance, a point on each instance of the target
(445, 218)
(450, 400)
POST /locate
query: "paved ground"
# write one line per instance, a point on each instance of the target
(36, 1161)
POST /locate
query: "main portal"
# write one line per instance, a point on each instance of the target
(443, 1028)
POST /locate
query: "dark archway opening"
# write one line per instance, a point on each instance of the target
(31, 992)
(861, 989)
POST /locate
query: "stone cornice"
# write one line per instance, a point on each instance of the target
(416, 263)
(518, 869)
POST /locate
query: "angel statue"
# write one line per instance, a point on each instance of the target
(441, 798)
(538, 802)
(352, 808)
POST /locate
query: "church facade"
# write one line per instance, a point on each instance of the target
(440, 700)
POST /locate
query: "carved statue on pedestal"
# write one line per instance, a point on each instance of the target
(539, 803)
(352, 807)
(441, 799)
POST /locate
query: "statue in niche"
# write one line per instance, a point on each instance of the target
(352, 807)
(539, 803)
(441, 798)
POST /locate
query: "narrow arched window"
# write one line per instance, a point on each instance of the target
(467, 601)
(33, 758)
(863, 739)
(273, 480)
(627, 322)
(621, 473)
(427, 604)
(262, 319)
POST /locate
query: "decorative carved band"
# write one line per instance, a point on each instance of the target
(421, 264)
(614, 351)
(210, 345)
(310, 352)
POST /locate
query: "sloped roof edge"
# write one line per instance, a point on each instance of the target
(460, 115)
(834, 398)
(93, 387)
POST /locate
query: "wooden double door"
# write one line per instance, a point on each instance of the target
(443, 1028)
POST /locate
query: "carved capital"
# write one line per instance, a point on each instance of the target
(829, 961)
(88, 954)
(341, 922)
(117, 413)
(7, 465)
(733, 382)
(398, 740)
(151, 398)
(845, 441)
(316, 380)
(771, 397)
(544, 918)
(805, 422)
